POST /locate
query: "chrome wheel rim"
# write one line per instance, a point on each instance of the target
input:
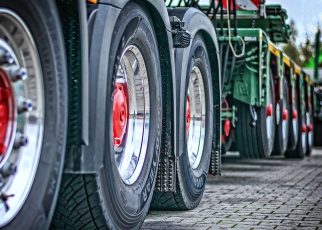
(304, 141)
(309, 133)
(285, 123)
(269, 118)
(295, 122)
(196, 121)
(131, 140)
(21, 65)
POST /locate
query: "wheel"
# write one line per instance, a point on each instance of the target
(294, 124)
(193, 163)
(33, 105)
(310, 127)
(300, 150)
(256, 141)
(118, 196)
(282, 117)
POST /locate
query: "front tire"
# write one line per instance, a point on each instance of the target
(118, 195)
(256, 142)
(282, 129)
(35, 80)
(300, 150)
(193, 163)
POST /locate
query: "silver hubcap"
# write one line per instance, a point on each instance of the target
(310, 136)
(197, 121)
(304, 140)
(269, 122)
(285, 124)
(295, 123)
(130, 151)
(24, 133)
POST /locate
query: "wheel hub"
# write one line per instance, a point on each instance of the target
(285, 115)
(6, 112)
(310, 127)
(294, 114)
(22, 112)
(196, 115)
(304, 128)
(269, 110)
(120, 113)
(188, 115)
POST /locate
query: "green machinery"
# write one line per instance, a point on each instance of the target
(266, 102)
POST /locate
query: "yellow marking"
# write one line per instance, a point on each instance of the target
(307, 79)
(273, 50)
(297, 69)
(287, 61)
(92, 1)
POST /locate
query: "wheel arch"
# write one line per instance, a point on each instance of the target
(84, 161)
(197, 22)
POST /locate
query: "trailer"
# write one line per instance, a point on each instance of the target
(109, 108)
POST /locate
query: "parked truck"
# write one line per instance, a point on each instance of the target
(109, 108)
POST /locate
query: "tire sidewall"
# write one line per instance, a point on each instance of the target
(268, 144)
(193, 180)
(43, 23)
(127, 205)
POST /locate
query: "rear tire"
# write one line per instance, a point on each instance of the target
(118, 196)
(32, 31)
(293, 121)
(282, 129)
(193, 169)
(255, 142)
(310, 133)
(300, 150)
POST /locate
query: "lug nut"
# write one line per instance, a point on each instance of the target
(5, 57)
(20, 141)
(17, 74)
(8, 170)
(24, 105)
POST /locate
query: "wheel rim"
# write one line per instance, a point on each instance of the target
(269, 119)
(303, 132)
(197, 121)
(285, 122)
(21, 83)
(310, 129)
(295, 123)
(131, 114)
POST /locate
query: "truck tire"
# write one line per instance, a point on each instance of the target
(118, 196)
(294, 124)
(257, 141)
(34, 105)
(282, 129)
(193, 163)
(300, 150)
(310, 128)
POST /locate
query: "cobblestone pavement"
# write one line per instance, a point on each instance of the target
(254, 194)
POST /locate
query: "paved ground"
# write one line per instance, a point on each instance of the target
(257, 194)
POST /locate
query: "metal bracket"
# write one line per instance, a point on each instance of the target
(181, 37)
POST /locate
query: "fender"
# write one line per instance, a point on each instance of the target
(91, 157)
(197, 22)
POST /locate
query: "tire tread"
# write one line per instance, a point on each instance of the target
(78, 206)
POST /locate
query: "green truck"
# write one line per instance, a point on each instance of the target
(109, 108)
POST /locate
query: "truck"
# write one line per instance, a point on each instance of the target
(109, 108)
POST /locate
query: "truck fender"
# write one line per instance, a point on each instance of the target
(197, 22)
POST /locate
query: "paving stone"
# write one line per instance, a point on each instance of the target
(254, 194)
